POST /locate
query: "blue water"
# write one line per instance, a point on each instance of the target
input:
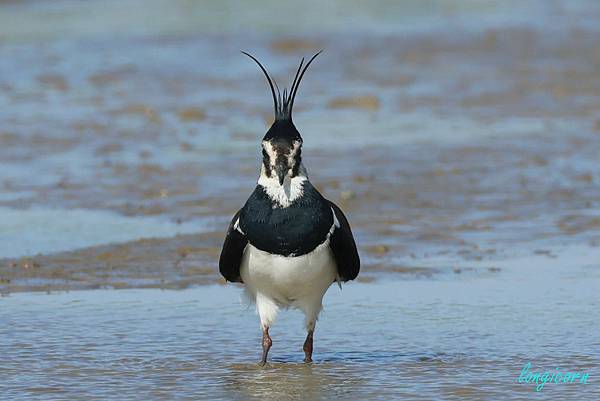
(461, 138)
(459, 338)
(31, 231)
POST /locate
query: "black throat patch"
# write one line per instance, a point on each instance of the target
(295, 230)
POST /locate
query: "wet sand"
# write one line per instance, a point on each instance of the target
(461, 139)
(425, 209)
(479, 145)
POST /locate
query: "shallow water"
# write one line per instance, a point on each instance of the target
(462, 337)
(460, 138)
(64, 230)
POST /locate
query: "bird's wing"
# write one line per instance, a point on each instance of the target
(233, 250)
(343, 246)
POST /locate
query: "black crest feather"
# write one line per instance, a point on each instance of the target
(284, 103)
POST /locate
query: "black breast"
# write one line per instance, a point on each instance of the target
(296, 229)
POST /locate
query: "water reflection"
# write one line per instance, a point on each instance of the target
(291, 381)
(421, 338)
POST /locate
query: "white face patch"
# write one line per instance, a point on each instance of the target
(272, 153)
(292, 187)
(292, 156)
(268, 147)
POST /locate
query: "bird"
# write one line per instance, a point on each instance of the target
(288, 244)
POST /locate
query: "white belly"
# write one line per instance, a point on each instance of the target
(274, 281)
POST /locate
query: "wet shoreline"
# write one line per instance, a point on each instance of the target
(438, 208)
(461, 139)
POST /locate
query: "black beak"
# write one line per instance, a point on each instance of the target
(281, 169)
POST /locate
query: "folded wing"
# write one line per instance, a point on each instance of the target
(343, 246)
(233, 251)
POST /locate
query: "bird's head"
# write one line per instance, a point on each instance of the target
(282, 144)
(281, 150)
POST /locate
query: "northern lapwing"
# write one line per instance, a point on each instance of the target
(288, 244)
